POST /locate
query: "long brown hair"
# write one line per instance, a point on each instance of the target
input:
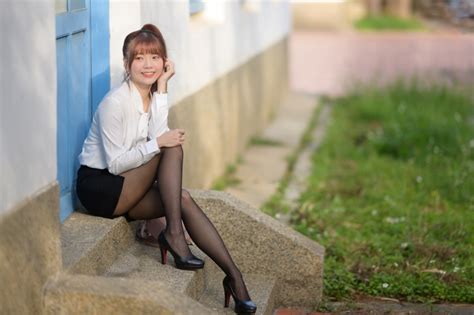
(147, 40)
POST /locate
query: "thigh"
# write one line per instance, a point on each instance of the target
(137, 182)
(149, 207)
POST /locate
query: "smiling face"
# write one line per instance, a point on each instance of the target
(144, 55)
(145, 69)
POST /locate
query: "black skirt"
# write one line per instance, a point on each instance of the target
(98, 190)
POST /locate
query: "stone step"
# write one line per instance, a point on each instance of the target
(107, 271)
(261, 289)
(103, 262)
(86, 294)
(90, 244)
(144, 263)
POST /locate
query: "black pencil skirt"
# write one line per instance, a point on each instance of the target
(98, 190)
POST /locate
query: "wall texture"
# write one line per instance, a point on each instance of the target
(220, 118)
(205, 46)
(28, 99)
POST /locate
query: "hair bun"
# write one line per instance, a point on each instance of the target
(151, 28)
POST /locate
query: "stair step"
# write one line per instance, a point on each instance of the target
(144, 262)
(102, 260)
(86, 294)
(90, 244)
(261, 289)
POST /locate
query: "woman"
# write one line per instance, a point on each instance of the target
(130, 146)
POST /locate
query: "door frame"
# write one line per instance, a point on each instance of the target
(100, 48)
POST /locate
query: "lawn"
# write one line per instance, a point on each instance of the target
(388, 23)
(391, 195)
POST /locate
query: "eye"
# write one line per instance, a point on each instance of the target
(138, 57)
(156, 57)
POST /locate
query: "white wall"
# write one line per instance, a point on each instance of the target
(204, 46)
(28, 99)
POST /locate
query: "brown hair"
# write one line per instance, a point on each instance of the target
(146, 40)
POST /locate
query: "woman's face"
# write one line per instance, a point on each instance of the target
(146, 69)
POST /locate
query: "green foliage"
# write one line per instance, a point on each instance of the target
(264, 142)
(391, 195)
(385, 22)
(228, 179)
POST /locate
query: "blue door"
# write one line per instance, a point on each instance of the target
(76, 97)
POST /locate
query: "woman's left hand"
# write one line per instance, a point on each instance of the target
(168, 71)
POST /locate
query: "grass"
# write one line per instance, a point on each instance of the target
(228, 179)
(264, 142)
(385, 23)
(391, 195)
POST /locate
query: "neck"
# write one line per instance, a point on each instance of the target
(144, 91)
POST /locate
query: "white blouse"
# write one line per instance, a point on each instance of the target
(122, 135)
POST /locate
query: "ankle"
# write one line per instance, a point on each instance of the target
(174, 232)
(235, 277)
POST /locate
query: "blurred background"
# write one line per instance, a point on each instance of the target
(351, 121)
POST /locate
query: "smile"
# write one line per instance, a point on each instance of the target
(148, 74)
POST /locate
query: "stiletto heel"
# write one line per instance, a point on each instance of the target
(226, 297)
(186, 263)
(241, 307)
(163, 255)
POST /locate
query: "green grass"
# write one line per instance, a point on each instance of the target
(391, 195)
(228, 179)
(385, 23)
(264, 142)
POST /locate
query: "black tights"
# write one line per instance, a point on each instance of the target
(141, 199)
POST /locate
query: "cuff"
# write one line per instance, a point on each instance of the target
(161, 100)
(152, 146)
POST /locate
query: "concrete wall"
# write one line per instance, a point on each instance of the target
(205, 46)
(28, 99)
(29, 195)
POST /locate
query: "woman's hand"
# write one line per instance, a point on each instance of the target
(168, 71)
(171, 138)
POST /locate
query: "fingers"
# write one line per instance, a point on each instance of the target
(179, 134)
(169, 65)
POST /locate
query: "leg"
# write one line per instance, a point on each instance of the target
(137, 183)
(170, 170)
(206, 237)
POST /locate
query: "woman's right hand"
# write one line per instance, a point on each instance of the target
(171, 138)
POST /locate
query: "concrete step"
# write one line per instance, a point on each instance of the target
(144, 263)
(86, 294)
(261, 289)
(105, 266)
(90, 244)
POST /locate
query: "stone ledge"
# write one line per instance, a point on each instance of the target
(261, 245)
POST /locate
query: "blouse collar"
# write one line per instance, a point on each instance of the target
(137, 98)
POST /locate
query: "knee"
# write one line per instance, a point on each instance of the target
(185, 197)
(177, 151)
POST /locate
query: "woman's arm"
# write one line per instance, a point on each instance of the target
(118, 158)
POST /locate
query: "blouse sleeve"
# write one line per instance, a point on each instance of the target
(159, 116)
(118, 158)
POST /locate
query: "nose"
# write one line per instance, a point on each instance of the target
(147, 61)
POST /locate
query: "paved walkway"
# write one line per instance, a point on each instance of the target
(329, 63)
(263, 166)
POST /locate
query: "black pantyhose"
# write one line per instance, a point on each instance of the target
(169, 199)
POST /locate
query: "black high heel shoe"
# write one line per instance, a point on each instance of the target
(241, 307)
(185, 263)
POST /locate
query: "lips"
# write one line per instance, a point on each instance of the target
(148, 74)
